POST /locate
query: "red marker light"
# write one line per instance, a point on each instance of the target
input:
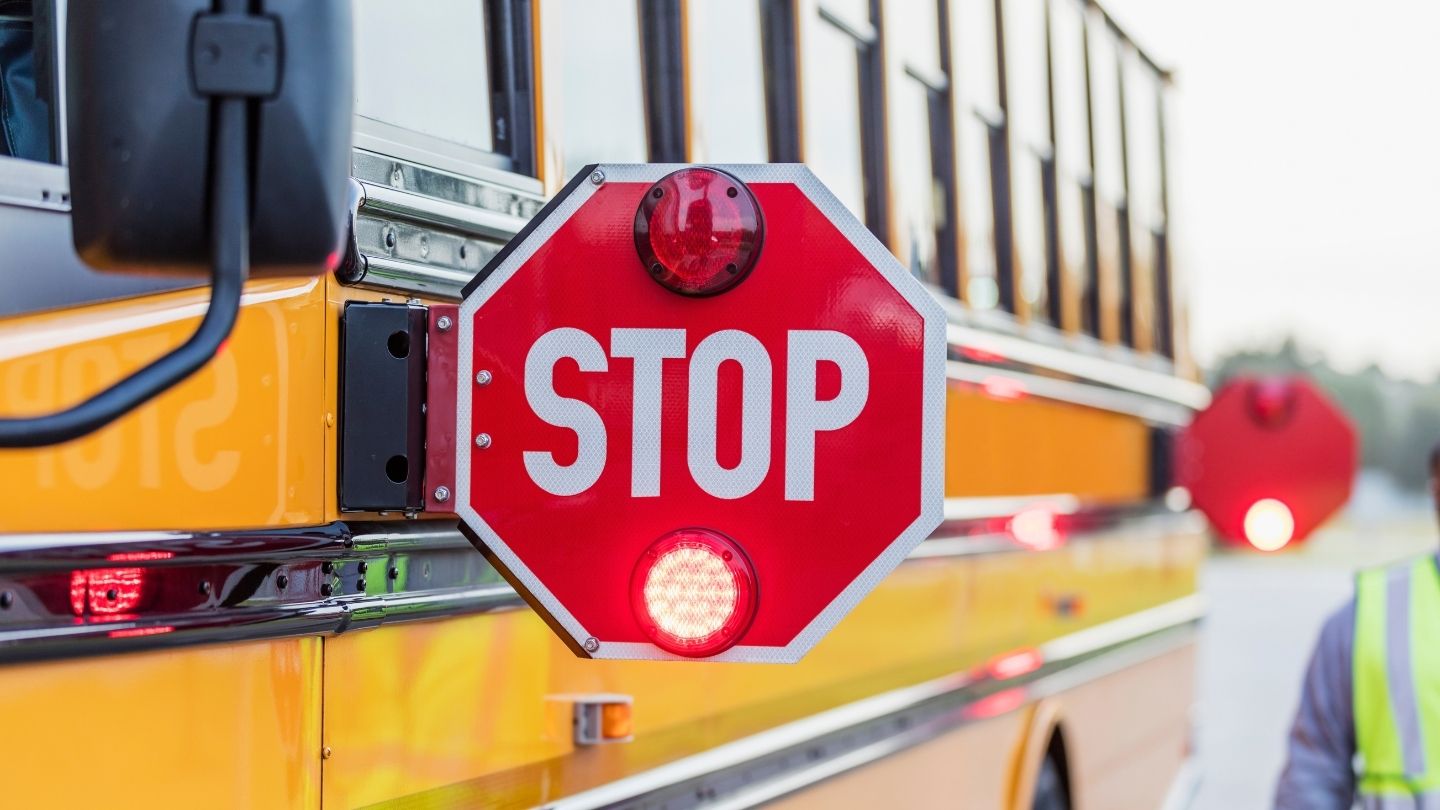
(1269, 525)
(693, 593)
(1004, 388)
(1271, 401)
(699, 231)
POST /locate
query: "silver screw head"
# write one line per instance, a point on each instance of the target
(592, 644)
(442, 494)
(597, 177)
(482, 441)
(443, 323)
(484, 377)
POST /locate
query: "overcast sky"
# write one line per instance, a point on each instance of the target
(1307, 163)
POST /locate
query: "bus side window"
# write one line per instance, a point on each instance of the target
(977, 119)
(726, 82)
(842, 141)
(922, 159)
(1142, 142)
(1074, 188)
(1028, 119)
(25, 109)
(595, 103)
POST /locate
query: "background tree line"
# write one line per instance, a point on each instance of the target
(1398, 420)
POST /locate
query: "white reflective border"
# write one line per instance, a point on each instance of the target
(932, 478)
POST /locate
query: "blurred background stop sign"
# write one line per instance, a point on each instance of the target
(1269, 461)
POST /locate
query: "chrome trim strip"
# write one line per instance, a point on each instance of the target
(426, 210)
(394, 561)
(31, 184)
(944, 704)
(1077, 393)
(1155, 384)
(410, 278)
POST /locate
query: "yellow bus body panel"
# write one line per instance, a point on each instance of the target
(231, 726)
(237, 445)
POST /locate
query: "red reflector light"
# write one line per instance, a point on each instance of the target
(106, 591)
(1269, 525)
(693, 592)
(1015, 664)
(699, 231)
(1005, 388)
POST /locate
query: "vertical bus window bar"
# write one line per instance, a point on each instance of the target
(1107, 167)
(943, 160)
(1000, 181)
(1164, 283)
(780, 57)
(920, 157)
(1146, 208)
(977, 129)
(1030, 150)
(844, 100)
(1090, 298)
(725, 85)
(663, 69)
(1050, 185)
(1122, 213)
(1073, 189)
(509, 32)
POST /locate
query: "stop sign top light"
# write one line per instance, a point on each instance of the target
(720, 470)
(1269, 461)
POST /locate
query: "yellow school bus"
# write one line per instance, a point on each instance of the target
(236, 595)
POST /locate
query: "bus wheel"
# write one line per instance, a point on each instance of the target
(1050, 793)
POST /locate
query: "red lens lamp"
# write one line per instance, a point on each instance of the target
(694, 593)
(699, 231)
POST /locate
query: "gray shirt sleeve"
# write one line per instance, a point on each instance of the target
(1319, 772)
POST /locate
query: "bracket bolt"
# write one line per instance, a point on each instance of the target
(442, 494)
(597, 177)
(482, 441)
(484, 377)
(592, 644)
(325, 752)
(443, 323)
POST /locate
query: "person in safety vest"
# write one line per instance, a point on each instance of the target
(1368, 727)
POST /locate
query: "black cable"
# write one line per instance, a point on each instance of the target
(230, 257)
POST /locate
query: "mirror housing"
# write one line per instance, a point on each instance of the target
(141, 130)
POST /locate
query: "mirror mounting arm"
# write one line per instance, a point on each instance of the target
(229, 243)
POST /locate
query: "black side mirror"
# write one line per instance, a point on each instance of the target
(203, 134)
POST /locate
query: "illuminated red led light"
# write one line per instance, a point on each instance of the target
(1269, 525)
(1036, 528)
(693, 592)
(1005, 388)
(1015, 664)
(106, 591)
(699, 231)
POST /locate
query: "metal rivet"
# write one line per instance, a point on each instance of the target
(425, 570)
(397, 177)
(389, 238)
(6, 600)
(281, 581)
(592, 644)
(325, 589)
(205, 587)
(112, 595)
(443, 323)
(424, 246)
(394, 572)
(442, 494)
(325, 752)
(327, 567)
(597, 177)
(484, 377)
(464, 251)
(360, 584)
(362, 566)
(482, 441)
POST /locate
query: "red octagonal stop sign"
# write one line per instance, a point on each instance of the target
(720, 472)
(1269, 461)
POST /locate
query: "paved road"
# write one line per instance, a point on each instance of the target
(1264, 614)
